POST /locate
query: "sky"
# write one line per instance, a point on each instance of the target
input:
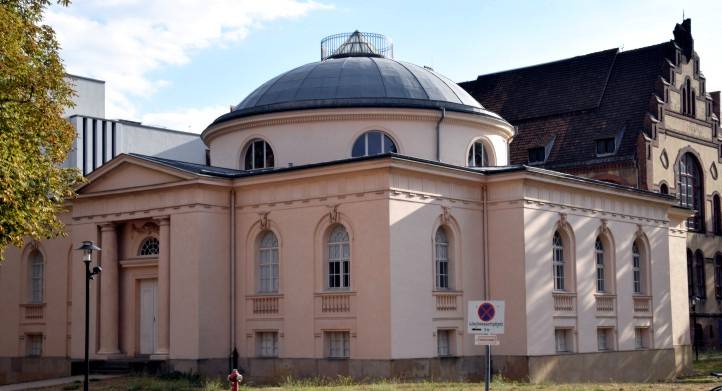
(180, 64)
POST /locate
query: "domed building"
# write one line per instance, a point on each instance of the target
(351, 210)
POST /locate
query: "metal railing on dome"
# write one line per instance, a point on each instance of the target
(356, 44)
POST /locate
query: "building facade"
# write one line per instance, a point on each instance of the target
(99, 140)
(351, 209)
(640, 118)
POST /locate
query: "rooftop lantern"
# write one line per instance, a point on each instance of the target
(356, 44)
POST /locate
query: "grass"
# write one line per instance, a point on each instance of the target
(701, 380)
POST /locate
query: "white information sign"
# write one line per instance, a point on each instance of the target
(486, 317)
(491, 340)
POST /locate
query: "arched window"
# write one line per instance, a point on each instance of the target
(663, 188)
(689, 100)
(339, 259)
(36, 277)
(478, 155)
(258, 154)
(148, 247)
(699, 275)
(441, 245)
(691, 194)
(373, 143)
(690, 273)
(636, 268)
(599, 256)
(716, 215)
(558, 261)
(268, 263)
(718, 276)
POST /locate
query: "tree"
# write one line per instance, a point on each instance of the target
(34, 136)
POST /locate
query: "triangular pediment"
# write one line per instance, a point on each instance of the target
(126, 172)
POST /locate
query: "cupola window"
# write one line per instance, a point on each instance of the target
(258, 154)
(373, 143)
(478, 155)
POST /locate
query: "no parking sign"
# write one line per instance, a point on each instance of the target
(486, 317)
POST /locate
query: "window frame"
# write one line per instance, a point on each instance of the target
(333, 337)
(442, 261)
(558, 262)
(262, 351)
(608, 337)
(716, 215)
(269, 284)
(534, 152)
(36, 281)
(251, 148)
(600, 261)
(384, 138)
(447, 336)
(636, 269)
(142, 245)
(718, 276)
(343, 267)
(563, 343)
(642, 338)
(700, 283)
(690, 188)
(605, 143)
(30, 346)
(486, 158)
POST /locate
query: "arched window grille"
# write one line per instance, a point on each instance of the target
(558, 261)
(339, 259)
(599, 255)
(699, 275)
(478, 155)
(441, 244)
(268, 263)
(258, 155)
(373, 142)
(36, 275)
(636, 268)
(718, 276)
(149, 246)
(691, 194)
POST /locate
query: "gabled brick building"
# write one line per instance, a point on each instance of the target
(642, 118)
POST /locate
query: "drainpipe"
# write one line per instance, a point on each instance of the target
(438, 134)
(233, 354)
(485, 252)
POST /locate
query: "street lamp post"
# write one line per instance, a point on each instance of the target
(88, 247)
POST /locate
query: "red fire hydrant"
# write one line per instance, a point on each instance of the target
(235, 378)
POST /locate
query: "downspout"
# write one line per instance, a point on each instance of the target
(233, 353)
(485, 252)
(438, 134)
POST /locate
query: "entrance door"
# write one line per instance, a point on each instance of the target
(147, 316)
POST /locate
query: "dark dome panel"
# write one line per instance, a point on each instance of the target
(356, 82)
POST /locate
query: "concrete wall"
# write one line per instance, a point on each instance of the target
(89, 97)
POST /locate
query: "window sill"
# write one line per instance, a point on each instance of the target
(338, 358)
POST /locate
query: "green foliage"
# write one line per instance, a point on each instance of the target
(34, 136)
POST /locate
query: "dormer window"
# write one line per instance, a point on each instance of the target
(537, 155)
(605, 146)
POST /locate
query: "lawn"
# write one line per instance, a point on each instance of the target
(700, 381)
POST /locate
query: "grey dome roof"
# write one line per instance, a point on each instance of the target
(356, 82)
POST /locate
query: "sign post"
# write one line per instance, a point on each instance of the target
(486, 321)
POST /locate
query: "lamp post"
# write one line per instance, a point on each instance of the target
(88, 247)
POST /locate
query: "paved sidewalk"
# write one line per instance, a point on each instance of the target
(52, 382)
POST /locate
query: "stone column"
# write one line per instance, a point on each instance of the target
(108, 291)
(163, 324)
